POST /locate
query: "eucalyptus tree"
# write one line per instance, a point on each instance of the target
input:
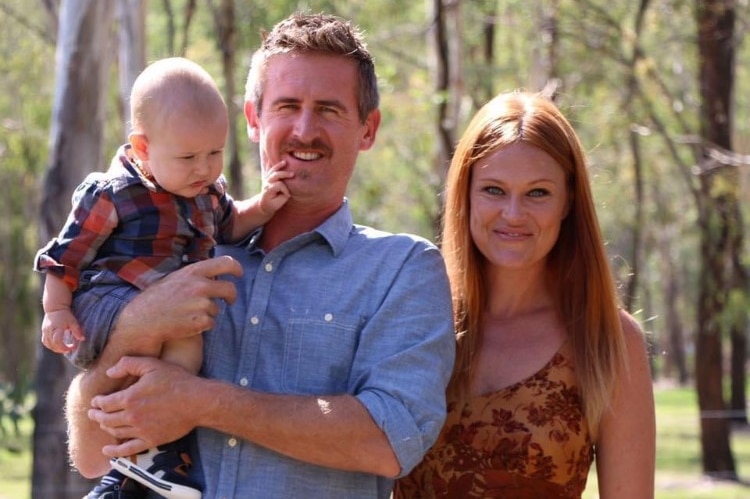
(81, 78)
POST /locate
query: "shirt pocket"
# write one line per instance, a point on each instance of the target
(319, 353)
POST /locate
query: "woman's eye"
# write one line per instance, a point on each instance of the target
(538, 193)
(493, 190)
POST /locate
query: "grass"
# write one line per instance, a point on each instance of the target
(678, 462)
(15, 461)
(678, 465)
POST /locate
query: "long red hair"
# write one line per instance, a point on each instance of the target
(578, 266)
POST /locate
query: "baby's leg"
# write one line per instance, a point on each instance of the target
(185, 352)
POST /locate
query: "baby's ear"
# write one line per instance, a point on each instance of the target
(139, 143)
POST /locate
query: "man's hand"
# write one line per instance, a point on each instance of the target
(144, 415)
(183, 303)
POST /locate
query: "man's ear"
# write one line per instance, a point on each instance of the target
(253, 122)
(139, 143)
(372, 123)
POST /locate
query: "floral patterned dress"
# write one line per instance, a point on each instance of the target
(529, 440)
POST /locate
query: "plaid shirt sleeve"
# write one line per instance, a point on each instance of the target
(224, 210)
(90, 222)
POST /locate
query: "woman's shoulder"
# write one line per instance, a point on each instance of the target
(632, 331)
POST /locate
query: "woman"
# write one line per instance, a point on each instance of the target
(550, 373)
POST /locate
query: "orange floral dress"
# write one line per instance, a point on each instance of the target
(529, 440)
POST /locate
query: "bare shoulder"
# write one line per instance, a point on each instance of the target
(636, 349)
(632, 331)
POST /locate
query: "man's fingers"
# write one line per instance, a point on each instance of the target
(126, 448)
(215, 267)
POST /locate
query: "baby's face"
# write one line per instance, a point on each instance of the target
(187, 155)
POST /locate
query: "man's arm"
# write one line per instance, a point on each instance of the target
(182, 304)
(399, 380)
(335, 431)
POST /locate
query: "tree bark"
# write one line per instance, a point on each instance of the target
(131, 16)
(715, 22)
(226, 35)
(75, 149)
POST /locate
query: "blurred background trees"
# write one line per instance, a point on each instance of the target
(657, 89)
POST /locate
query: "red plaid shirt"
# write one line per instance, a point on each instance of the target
(123, 222)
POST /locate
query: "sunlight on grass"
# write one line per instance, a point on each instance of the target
(15, 462)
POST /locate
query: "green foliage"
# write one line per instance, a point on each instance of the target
(25, 98)
(396, 186)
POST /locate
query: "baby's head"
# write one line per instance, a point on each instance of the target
(179, 125)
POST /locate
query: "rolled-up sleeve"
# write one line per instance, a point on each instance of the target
(406, 355)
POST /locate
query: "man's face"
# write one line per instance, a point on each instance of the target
(310, 120)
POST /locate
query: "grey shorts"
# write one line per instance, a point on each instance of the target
(97, 303)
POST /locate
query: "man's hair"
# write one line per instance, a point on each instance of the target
(315, 33)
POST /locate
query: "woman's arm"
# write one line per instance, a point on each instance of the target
(626, 447)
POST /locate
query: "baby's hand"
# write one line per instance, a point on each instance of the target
(275, 193)
(61, 332)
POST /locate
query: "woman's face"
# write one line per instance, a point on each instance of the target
(518, 200)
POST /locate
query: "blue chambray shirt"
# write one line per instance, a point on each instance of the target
(341, 309)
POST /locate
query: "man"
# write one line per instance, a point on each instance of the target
(329, 344)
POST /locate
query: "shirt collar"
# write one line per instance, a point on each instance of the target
(334, 230)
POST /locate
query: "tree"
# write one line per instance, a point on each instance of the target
(83, 63)
(226, 36)
(715, 22)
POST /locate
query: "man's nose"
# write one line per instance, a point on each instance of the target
(306, 126)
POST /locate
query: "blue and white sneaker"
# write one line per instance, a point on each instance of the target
(163, 470)
(115, 485)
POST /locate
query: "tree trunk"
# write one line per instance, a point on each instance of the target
(676, 354)
(131, 16)
(226, 35)
(75, 149)
(715, 21)
(739, 300)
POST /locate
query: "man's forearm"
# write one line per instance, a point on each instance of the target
(333, 431)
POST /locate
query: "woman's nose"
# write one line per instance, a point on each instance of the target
(513, 208)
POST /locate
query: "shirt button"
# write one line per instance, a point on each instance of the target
(254, 321)
(269, 267)
(243, 382)
(232, 442)
(328, 317)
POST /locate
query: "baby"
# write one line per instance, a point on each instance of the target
(162, 204)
